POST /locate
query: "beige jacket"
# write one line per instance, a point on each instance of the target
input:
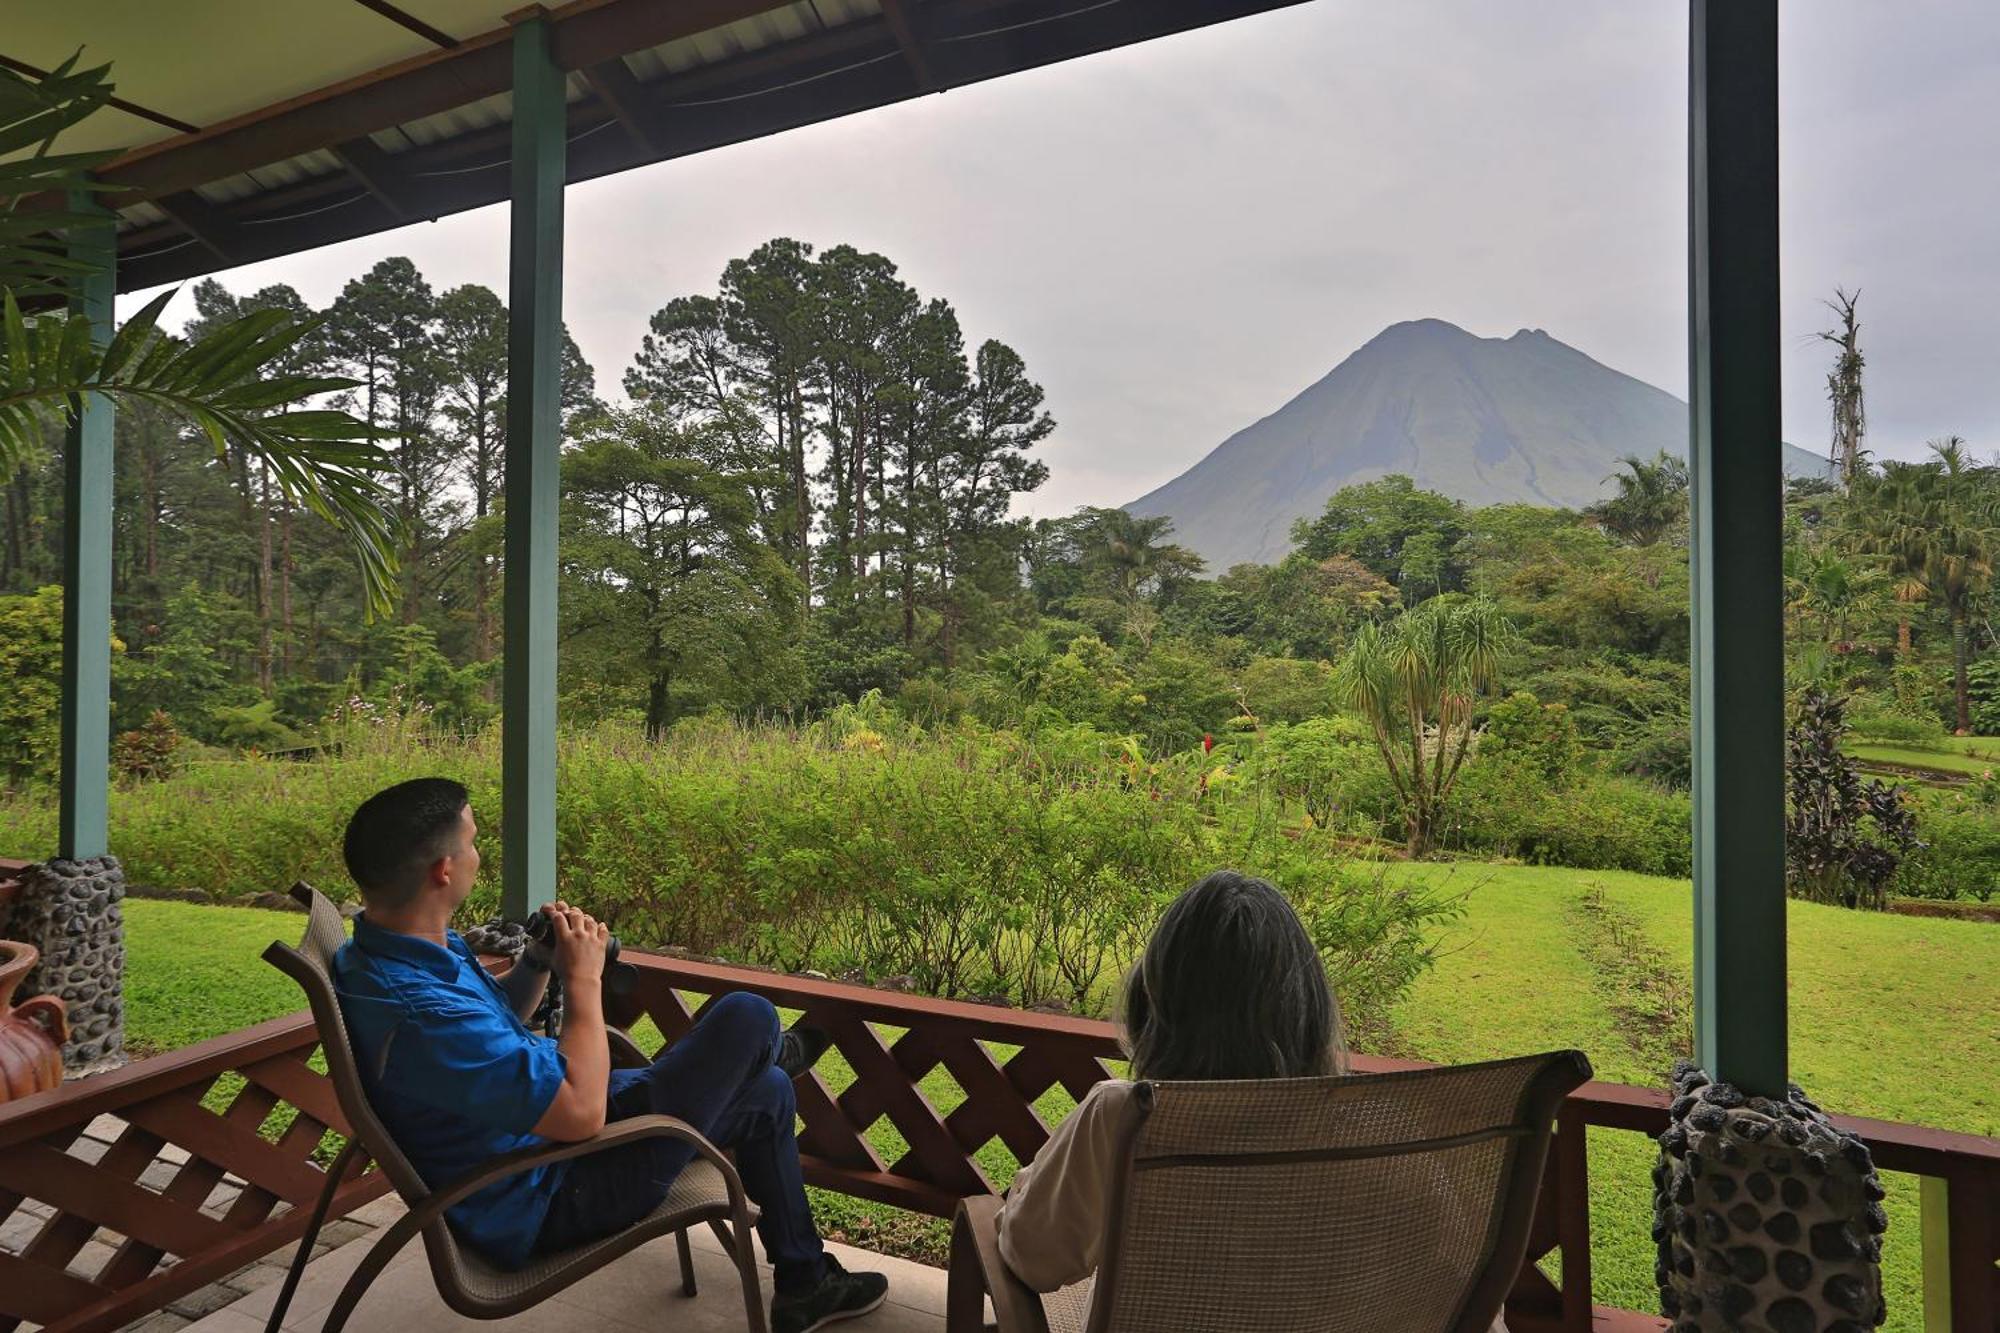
(1052, 1224)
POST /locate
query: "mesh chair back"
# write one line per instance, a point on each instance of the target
(1389, 1201)
(311, 965)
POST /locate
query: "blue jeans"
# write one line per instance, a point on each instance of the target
(720, 1079)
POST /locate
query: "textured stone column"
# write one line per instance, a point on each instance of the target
(73, 912)
(1767, 1217)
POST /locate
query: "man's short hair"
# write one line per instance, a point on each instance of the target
(399, 834)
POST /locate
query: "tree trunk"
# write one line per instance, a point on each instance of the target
(1960, 648)
(1903, 639)
(285, 586)
(264, 582)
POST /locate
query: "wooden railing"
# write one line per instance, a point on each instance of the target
(1961, 1172)
(185, 1194)
(128, 1192)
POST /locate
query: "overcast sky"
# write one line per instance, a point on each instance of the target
(1180, 236)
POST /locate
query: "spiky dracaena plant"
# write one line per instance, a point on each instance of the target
(224, 384)
(1417, 682)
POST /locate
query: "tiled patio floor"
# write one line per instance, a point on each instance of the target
(640, 1292)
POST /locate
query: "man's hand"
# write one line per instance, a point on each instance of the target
(581, 943)
(579, 1107)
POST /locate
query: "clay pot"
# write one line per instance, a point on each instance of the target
(31, 1033)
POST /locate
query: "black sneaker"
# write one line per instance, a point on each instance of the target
(800, 1048)
(839, 1295)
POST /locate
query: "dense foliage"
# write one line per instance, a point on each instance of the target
(807, 497)
(964, 861)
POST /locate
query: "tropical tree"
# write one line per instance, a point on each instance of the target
(1652, 499)
(226, 383)
(1417, 682)
(1937, 523)
(1827, 584)
(669, 579)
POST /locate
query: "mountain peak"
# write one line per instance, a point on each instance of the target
(1524, 418)
(1422, 330)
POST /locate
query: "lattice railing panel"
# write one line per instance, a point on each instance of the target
(131, 1188)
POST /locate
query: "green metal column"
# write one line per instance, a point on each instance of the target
(1737, 498)
(534, 349)
(85, 769)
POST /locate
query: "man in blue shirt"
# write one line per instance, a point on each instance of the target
(458, 1078)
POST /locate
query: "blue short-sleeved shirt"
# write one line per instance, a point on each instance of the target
(455, 1076)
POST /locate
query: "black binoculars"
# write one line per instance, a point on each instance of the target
(540, 928)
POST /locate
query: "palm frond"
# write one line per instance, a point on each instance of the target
(36, 185)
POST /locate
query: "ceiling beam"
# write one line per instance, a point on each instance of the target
(378, 172)
(904, 22)
(404, 19)
(218, 234)
(627, 100)
(129, 108)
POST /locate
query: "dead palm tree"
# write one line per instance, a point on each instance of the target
(1843, 389)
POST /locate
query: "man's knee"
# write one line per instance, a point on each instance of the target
(748, 1014)
(778, 1096)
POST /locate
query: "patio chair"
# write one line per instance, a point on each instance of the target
(1318, 1205)
(708, 1190)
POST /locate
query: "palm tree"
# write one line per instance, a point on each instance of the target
(225, 383)
(1822, 582)
(1652, 499)
(1131, 552)
(1936, 524)
(1417, 682)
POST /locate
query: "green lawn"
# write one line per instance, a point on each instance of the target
(1961, 754)
(1892, 1016)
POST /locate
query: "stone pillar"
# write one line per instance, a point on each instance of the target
(1765, 1214)
(72, 911)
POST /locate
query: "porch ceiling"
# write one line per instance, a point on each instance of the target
(253, 130)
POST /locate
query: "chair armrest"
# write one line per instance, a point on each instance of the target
(613, 1135)
(625, 1053)
(978, 1269)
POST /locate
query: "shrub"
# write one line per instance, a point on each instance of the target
(1524, 732)
(1597, 822)
(1960, 855)
(1286, 689)
(149, 750)
(1843, 837)
(968, 861)
(1872, 719)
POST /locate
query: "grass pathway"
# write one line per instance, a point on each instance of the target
(1893, 1017)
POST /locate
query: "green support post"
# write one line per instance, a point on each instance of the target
(534, 350)
(85, 770)
(1736, 496)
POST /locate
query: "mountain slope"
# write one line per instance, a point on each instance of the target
(1484, 420)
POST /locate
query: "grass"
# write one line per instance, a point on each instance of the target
(1892, 1017)
(1965, 755)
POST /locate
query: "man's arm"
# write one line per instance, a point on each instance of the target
(579, 1107)
(526, 982)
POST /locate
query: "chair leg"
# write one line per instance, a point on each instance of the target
(742, 1248)
(687, 1262)
(334, 1175)
(372, 1264)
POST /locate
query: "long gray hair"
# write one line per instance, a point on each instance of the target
(1230, 986)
